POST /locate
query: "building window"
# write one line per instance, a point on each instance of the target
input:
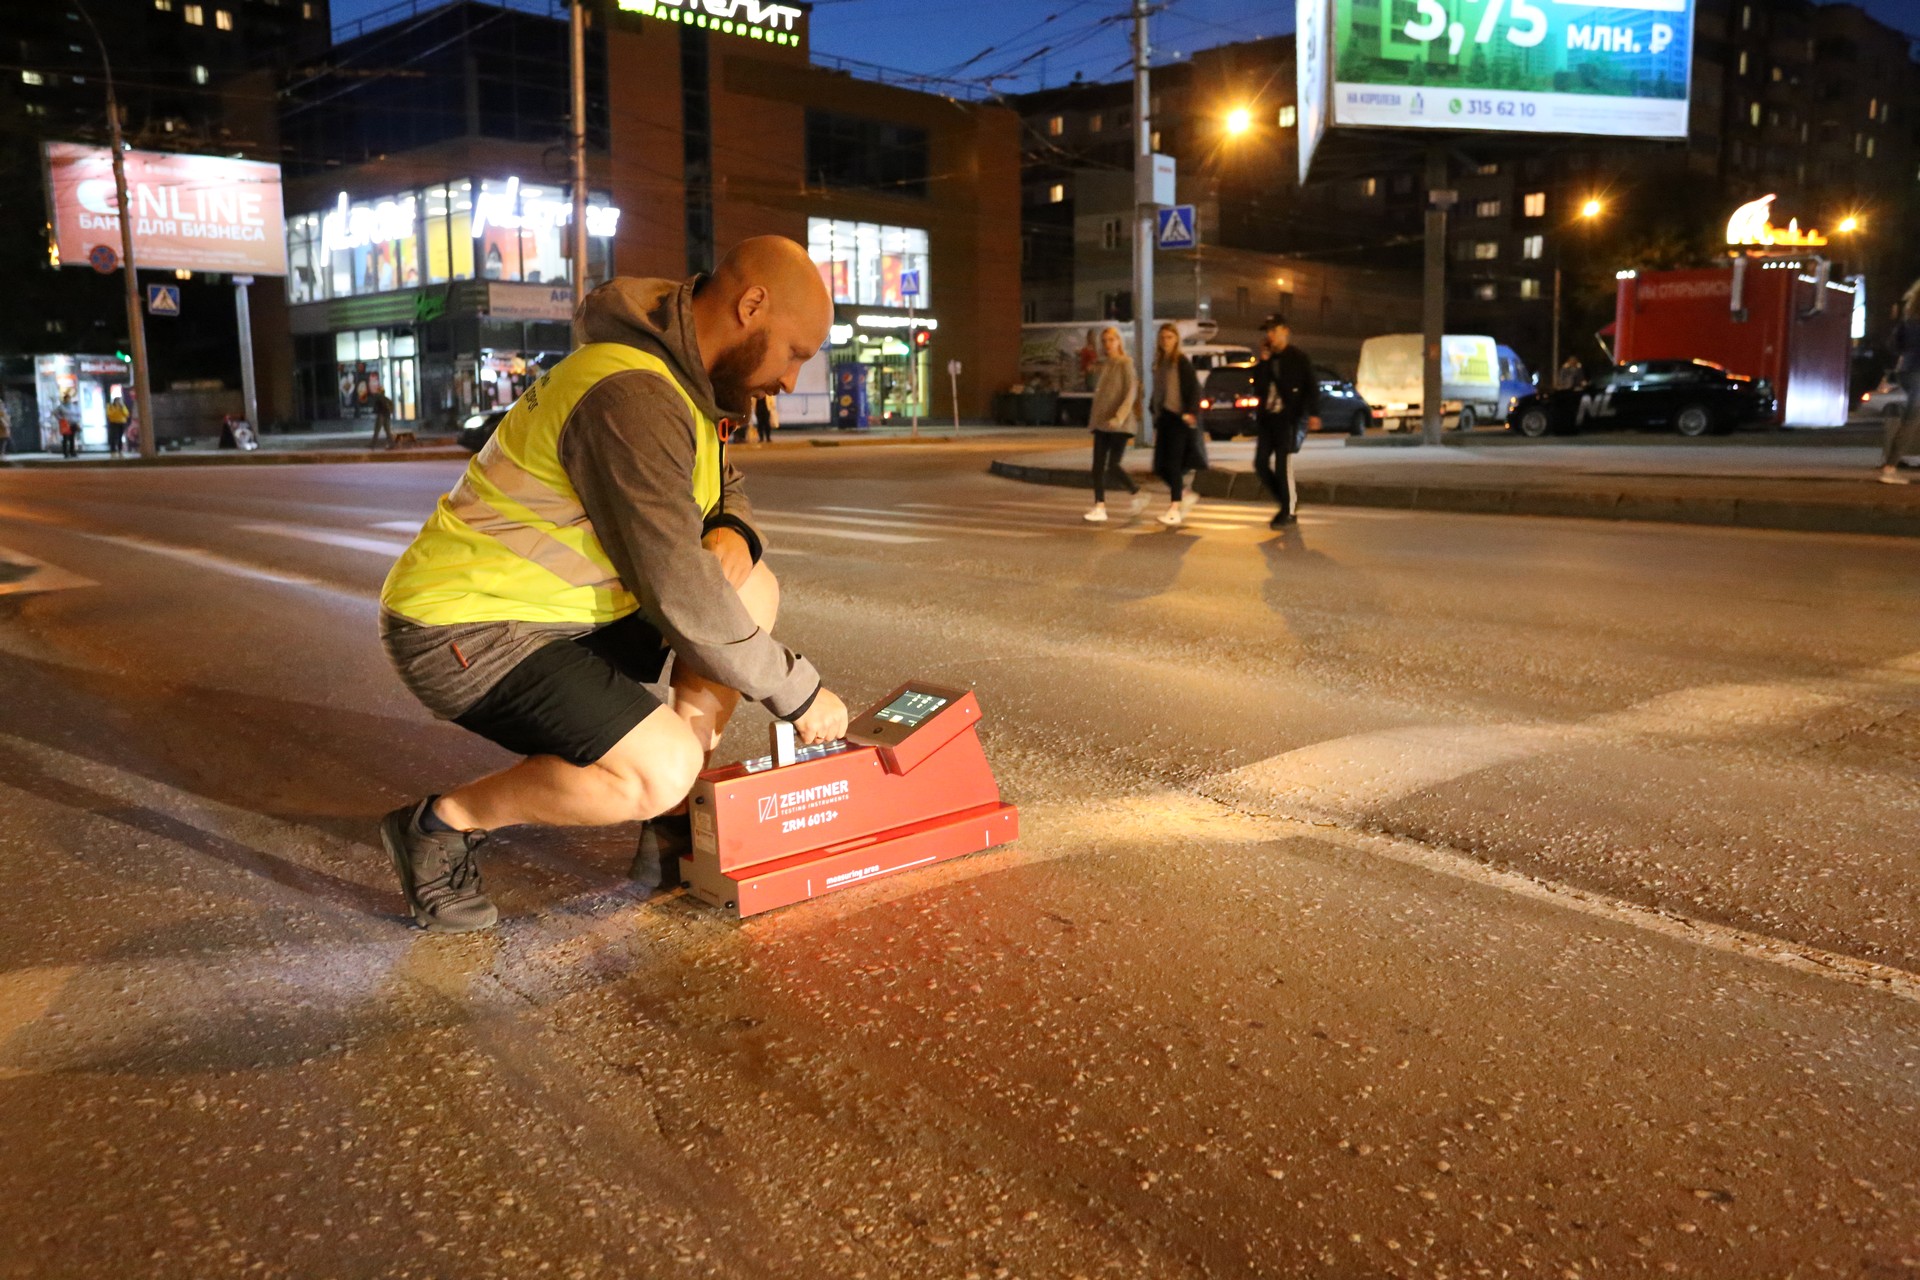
(1746, 17)
(1153, 142)
(1369, 187)
(1530, 287)
(35, 109)
(223, 19)
(1534, 204)
(1869, 148)
(1743, 62)
(862, 262)
(164, 6)
(1533, 246)
(1056, 125)
(1873, 109)
(1403, 184)
(1753, 114)
(1113, 233)
(306, 12)
(1486, 209)
(1056, 193)
(1095, 123)
(199, 75)
(1778, 75)
(852, 153)
(1486, 291)
(1117, 306)
(1289, 117)
(1486, 250)
(32, 77)
(1029, 312)
(195, 16)
(1487, 170)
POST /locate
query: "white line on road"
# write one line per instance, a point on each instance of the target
(398, 526)
(328, 537)
(24, 574)
(857, 535)
(917, 524)
(212, 560)
(988, 521)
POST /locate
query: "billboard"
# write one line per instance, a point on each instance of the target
(190, 213)
(1310, 76)
(1619, 69)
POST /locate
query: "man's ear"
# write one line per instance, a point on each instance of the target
(752, 303)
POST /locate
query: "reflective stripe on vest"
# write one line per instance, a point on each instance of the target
(512, 540)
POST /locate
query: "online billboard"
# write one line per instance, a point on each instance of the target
(1519, 66)
(190, 213)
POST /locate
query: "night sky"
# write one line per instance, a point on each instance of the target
(1045, 42)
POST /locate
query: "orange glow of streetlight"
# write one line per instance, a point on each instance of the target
(1591, 209)
(1239, 120)
(1848, 223)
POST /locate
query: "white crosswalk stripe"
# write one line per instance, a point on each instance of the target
(903, 522)
(821, 531)
(329, 537)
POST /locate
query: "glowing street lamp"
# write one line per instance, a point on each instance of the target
(1239, 120)
(1848, 223)
(1591, 209)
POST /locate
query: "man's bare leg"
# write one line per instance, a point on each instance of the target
(647, 773)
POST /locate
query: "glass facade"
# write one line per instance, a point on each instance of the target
(861, 262)
(490, 229)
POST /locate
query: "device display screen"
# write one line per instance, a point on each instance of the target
(910, 709)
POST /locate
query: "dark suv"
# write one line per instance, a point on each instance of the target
(1228, 405)
(1694, 397)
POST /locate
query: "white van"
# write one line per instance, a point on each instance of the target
(1392, 382)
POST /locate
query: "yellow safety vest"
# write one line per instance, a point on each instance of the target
(512, 542)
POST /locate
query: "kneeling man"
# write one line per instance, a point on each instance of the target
(600, 532)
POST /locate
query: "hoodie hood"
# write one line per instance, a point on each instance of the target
(657, 317)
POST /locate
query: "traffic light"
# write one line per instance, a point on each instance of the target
(921, 337)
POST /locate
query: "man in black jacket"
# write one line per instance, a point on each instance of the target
(1289, 395)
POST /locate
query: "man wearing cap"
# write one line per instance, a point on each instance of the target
(1289, 396)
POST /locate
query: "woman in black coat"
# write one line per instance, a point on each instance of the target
(1178, 445)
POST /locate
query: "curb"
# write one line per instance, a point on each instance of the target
(1581, 504)
(272, 458)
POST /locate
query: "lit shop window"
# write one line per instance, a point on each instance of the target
(449, 232)
(862, 262)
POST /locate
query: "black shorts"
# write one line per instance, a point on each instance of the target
(575, 698)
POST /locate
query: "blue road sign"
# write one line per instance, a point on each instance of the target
(1178, 230)
(103, 259)
(909, 284)
(163, 299)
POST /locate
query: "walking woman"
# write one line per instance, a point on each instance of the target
(1177, 444)
(1113, 420)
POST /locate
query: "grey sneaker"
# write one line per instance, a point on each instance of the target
(437, 872)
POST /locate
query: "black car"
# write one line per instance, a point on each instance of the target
(1694, 397)
(479, 428)
(1228, 405)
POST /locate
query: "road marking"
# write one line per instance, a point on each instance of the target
(212, 560)
(857, 535)
(398, 526)
(916, 523)
(329, 537)
(988, 521)
(21, 573)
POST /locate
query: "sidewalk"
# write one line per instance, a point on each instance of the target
(1761, 481)
(352, 446)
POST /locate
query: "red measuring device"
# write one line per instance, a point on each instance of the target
(907, 787)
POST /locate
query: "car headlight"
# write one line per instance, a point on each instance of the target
(474, 422)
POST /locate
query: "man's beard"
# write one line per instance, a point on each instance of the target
(732, 370)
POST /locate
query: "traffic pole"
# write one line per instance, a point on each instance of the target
(243, 313)
(136, 320)
(1433, 298)
(1143, 227)
(577, 146)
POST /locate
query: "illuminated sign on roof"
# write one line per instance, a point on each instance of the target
(753, 19)
(1751, 225)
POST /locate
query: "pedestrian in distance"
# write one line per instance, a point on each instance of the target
(6, 426)
(766, 417)
(608, 536)
(1902, 437)
(1570, 374)
(382, 417)
(68, 415)
(1178, 444)
(1289, 396)
(117, 418)
(1114, 419)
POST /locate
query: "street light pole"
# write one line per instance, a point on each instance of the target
(577, 146)
(1143, 209)
(136, 322)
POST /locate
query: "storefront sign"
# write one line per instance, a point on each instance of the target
(530, 302)
(354, 226)
(754, 19)
(190, 213)
(513, 210)
(1620, 69)
(1750, 224)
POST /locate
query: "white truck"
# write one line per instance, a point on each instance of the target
(1478, 380)
(1052, 359)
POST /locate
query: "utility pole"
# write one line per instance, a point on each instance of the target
(577, 147)
(136, 322)
(1143, 209)
(1433, 299)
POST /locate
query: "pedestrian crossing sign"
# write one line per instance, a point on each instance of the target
(163, 299)
(1177, 228)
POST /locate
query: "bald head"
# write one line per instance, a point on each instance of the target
(759, 317)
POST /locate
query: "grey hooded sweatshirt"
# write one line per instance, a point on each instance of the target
(628, 448)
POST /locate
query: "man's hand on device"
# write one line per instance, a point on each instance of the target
(736, 558)
(823, 721)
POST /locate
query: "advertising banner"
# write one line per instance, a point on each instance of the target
(1522, 66)
(190, 213)
(1311, 29)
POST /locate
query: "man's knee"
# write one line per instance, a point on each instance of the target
(761, 594)
(655, 765)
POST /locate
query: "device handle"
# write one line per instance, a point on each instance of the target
(786, 743)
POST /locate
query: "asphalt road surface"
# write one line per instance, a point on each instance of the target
(1406, 894)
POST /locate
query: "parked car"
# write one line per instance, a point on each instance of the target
(1693, 397)
(1228, 405)
(1888, 400)
(479, 428)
